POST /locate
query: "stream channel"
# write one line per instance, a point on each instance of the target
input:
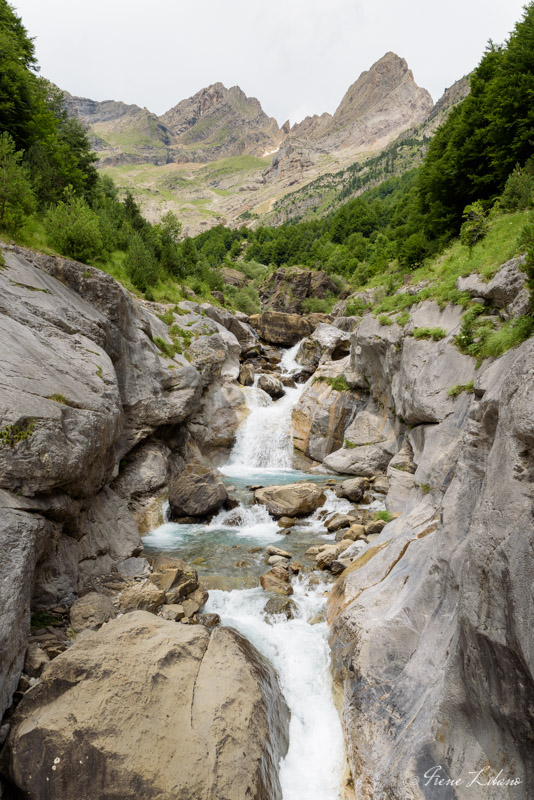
(229, 555)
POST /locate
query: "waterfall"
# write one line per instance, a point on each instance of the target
(265, 439)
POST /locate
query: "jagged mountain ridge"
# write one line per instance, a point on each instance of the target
(210, 158)
(214, 123)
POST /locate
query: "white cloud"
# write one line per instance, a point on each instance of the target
(295, 56)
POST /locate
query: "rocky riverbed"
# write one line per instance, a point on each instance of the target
(186, 492)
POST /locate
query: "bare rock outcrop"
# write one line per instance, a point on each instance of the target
(446, 581)
(162, 709)
(196, 492)
(276, 327)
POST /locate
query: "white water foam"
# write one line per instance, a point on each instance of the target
(313, 766)
(250, 521)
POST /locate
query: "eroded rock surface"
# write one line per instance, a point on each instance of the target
(162, 709)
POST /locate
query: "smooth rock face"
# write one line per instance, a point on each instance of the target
(197, 492)
(162, 711)
(320, 419)
(290, 500)
(447, 582)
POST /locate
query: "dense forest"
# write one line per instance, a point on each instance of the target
(479, 164)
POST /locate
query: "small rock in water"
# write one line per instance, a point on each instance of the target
(276, 560)
(277, 580)
(339, 521)
(287, 522)
(313, 551)
(275, 551)
(255, 486)
(255, 550)
(295, 567)
(280, 605)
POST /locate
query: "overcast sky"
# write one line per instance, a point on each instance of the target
(297, 57)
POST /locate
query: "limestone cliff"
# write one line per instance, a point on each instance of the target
(430, 622)
(377, 107)
(94, 422)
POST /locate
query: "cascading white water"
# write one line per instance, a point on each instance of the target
(313, 766)
(264, 441)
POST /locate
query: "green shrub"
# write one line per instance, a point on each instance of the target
(11, 435)
(387, 516)
(167, 317)
(403, 318)
(430, 333)
(457, 390)
(385, 320)
(519, 190)
(338, 384)
(166, 348)
(355, 307)
(73, 230)
(318, 305)
(141, 264)
(475, 226)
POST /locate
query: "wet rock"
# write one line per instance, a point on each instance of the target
(91, 611)
(323, 412)
(209, 691)
(291, 500)
(246, 375)
(338, 566)
(280, 605)
(144, 596)
(272, 385)
(173, 611)
(35, 660)
(295, 567)
(288, 382)
(277, 580)
(285, 522)
(276, 560)
(276, 551)
(339, 521)
(353, 489)
(312, 551)
(196, 492)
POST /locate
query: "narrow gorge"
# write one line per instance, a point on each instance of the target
(277, 556)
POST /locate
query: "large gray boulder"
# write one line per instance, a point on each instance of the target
(159, 708)
(196, 492)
